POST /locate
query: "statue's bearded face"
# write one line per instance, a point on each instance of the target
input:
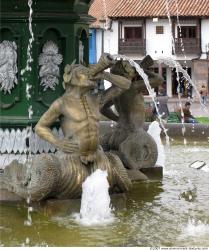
(81, 77)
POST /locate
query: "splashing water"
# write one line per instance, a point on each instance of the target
(29, 129)
(174, 64)
(29, 56)
(150, 90)
(95, 201)
(180, 33)
(154, 130)
(195, 229)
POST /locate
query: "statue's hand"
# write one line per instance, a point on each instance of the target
(108, 58)
(67, 147)
(98, 76)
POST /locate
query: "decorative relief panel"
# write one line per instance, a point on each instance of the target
(49, 61)
(8, 66)
(14, 141)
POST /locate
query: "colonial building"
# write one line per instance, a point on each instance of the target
(163, 28)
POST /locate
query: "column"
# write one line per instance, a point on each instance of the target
(169, 82)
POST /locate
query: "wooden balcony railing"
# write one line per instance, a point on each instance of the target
(132, 46)
(190, 46)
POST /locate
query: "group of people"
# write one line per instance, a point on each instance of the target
(186, 116)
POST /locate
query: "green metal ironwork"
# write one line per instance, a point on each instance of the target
(64, 22)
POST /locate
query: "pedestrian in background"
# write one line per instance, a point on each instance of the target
(188, 117)
(203, 94)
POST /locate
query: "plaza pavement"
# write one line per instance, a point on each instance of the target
(196, 109)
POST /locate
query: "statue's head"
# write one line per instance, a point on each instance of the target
(123, 68)
(77, 75)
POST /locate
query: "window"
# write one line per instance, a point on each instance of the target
(187, 32)
(132, 33)
(159, 29)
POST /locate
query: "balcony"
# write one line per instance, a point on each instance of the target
(132, 46)
(190, 45)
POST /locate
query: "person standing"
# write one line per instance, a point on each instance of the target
(203, 94)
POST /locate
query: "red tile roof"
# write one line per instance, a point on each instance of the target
(100, 9)
(147, 8)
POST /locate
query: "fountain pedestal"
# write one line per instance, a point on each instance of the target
(64, 24)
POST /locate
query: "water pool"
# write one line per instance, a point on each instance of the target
(171, 212)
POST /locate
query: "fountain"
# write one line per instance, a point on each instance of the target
(125, 152)
(95, 201)
(78, 164)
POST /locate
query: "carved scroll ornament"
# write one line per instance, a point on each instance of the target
(8, 66)
(49, 62)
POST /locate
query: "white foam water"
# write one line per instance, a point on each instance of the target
(195, 229)
(154, 130)
(196, 149)
(205, 168)
(169, 61)
(95, 202)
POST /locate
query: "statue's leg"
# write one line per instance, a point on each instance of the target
(13, 178)
(35, 180)
(117, 175)
(139, 150)
(73, 174)
(122, 182)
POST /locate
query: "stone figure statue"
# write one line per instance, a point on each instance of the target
(78, 110)
(82, 151)
(62, 175)
(135, 147)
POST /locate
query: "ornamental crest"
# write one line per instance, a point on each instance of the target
(49, 62)
(8, 66)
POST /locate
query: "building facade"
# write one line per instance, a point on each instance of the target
(180, 32)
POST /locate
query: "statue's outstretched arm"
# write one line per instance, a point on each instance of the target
(120, 84)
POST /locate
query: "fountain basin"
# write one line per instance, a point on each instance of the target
(155, 212)
(193, 131)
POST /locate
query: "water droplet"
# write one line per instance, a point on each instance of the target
(28, 200)
(30, 209)
(27, 240)
(27, 223)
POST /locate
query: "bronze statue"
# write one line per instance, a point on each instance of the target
(128, 148)
(135, 147)
(78, 109)
(78, 113)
